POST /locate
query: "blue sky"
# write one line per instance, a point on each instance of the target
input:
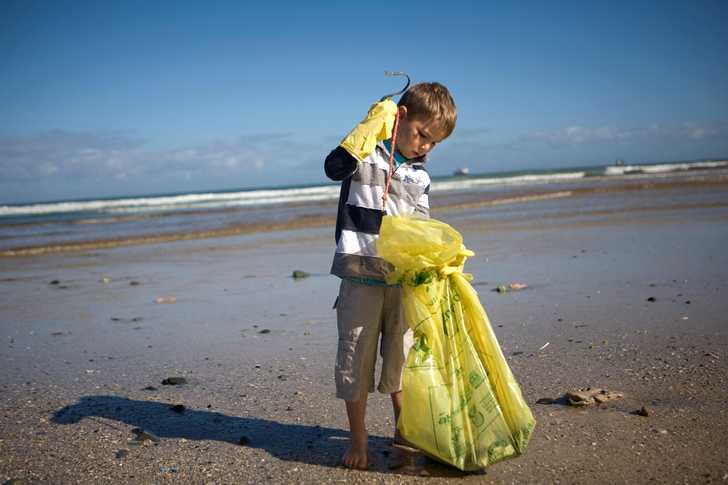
(133, 97)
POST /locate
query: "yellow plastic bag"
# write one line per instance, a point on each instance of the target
(461, 403)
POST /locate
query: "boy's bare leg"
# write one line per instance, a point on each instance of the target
(356, 455)
(404, 452)
(397, 407)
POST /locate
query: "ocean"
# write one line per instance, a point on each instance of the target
(37, 228)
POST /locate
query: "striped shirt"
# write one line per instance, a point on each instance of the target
(361, 207)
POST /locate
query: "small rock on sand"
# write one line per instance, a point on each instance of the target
(643, 411)
(174, 381)
(166, 299)
(298, 274)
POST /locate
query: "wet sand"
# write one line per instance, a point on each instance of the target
(82, 337)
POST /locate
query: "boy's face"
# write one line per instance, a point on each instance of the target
(416, 136)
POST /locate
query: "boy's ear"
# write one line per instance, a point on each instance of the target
(402, 112)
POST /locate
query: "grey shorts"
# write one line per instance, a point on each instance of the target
(369, 316)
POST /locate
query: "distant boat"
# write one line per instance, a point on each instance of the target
(461, 172)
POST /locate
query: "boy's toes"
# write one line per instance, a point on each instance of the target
(355, 459)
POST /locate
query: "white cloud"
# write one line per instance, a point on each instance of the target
(86, 156)
(463, 133)
(578, 135)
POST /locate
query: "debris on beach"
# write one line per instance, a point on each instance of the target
(140, 436)
(127, 320)
(583, 397)
(588, 396)
(264, 331)
(510, 287)
(149, 388)
(643, 411)
(174, 381)
(299, 274)
(166, 299)
(106, 280)
(652, 299)
(133, 283)
(57, 284)
(121, 454)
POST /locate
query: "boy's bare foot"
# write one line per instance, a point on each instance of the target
(403, 457)
(357, 455)
(399, 440)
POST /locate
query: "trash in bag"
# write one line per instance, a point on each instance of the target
(460, 401)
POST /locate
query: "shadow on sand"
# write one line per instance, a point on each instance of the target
(292, 442)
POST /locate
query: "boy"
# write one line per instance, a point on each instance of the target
(367, 309)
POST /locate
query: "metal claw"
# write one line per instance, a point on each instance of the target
(396, 93)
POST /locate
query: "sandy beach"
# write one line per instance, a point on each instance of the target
(627, 290)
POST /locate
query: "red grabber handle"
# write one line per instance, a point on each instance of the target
(391, 161)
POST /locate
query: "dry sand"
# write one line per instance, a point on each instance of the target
(257, 347)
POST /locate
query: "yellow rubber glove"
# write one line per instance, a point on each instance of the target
(377, 126)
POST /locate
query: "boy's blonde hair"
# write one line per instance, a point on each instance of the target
(431, 101)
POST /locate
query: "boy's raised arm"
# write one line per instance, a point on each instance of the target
(362, 140)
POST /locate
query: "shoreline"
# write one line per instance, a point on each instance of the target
(314, 221)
